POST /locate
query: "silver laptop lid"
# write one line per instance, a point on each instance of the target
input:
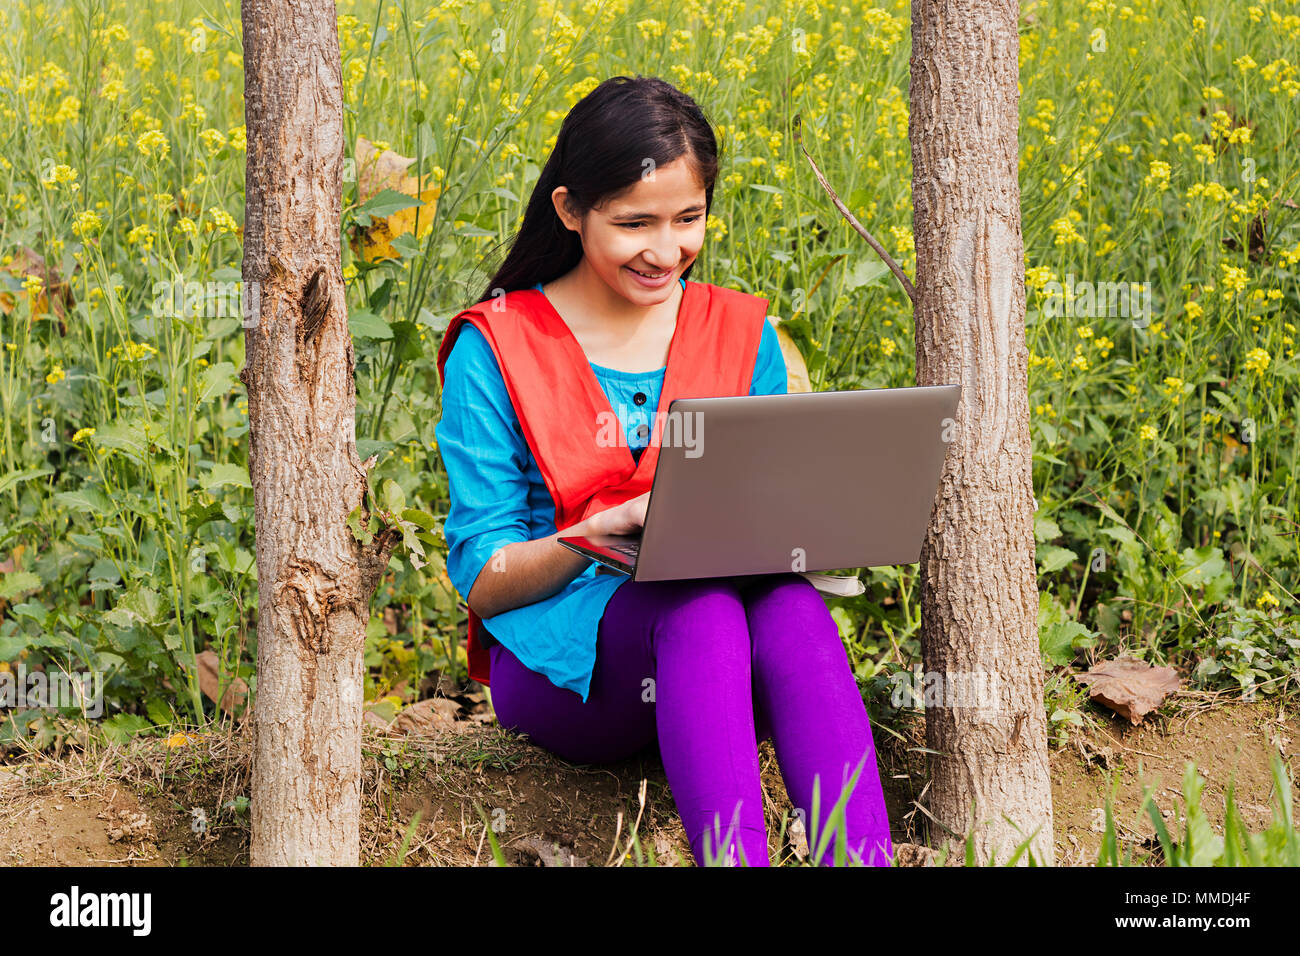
(810, 481)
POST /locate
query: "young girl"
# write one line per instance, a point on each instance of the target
(590, 319)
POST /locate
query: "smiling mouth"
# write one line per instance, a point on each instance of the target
(651, 275)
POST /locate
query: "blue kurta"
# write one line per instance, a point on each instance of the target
(498, 496)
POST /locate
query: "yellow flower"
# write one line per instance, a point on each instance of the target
(1158, 175)
(56, 374)
(142, 236)
(469, 60)
(1063, 229)
(1038, 276)
(1193, 310)
(152, 142)
(1147, 433)
(33, 284)
(86, 224)
(650, 29)
(888, 346)
(186, 227)
(1257, 361)
(1266, 600)
(220, 220)
(82, 434)
(133, 351)
(1235, 279)
(1173, 386)
(213, 140)
(1085, 331)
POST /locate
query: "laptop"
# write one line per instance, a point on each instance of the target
(805, 482)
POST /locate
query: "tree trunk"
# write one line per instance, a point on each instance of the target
(979, 596)
(314, 578)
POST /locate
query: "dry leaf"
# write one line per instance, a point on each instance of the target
(796, 369)
(427, 717)
(377, 171)
(53, 295)
(210, 683)
(14, 561)
(1129, 687)
(914, 854)
(550, 853)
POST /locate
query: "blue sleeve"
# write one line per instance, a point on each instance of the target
(486, 457)
(769, 368)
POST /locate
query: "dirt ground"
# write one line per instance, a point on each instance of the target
(150, 804)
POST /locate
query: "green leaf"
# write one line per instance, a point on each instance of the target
(1057, 641)
(370, 446)
(216, 379)
(127, 437)
(364, 324)
(1052, 559)
(384, 203)
(16, 583)
(866, 271)
(25, 474)
(1201, 565)
(139, 605)
(123, 727)
(227, 473)
(391, 496)
(158, 711)
(407, 335)
(87, 498)
(422, 518)
(471, 230)
(405, 245)
(1045, 529)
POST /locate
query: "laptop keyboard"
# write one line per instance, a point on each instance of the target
(629, 550)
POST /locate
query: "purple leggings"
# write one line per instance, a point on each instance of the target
(711, 668)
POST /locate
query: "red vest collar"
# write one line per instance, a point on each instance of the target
(567, 418)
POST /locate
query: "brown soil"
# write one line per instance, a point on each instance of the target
(147, 804)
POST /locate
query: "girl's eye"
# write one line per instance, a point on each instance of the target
(634, 225)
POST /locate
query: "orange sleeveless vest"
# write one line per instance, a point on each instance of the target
(559, 401)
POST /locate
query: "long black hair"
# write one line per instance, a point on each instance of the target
(601, 150)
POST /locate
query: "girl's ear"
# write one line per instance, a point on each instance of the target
(559, 198)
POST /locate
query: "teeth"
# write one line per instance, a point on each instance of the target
(657, 275)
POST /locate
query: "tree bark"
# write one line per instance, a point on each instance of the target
(979, 595)
(314, 578)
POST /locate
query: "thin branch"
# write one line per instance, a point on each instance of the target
(852, 220)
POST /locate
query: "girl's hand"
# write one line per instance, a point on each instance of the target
(627, 518)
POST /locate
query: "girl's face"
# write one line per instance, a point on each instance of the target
(641, 242)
